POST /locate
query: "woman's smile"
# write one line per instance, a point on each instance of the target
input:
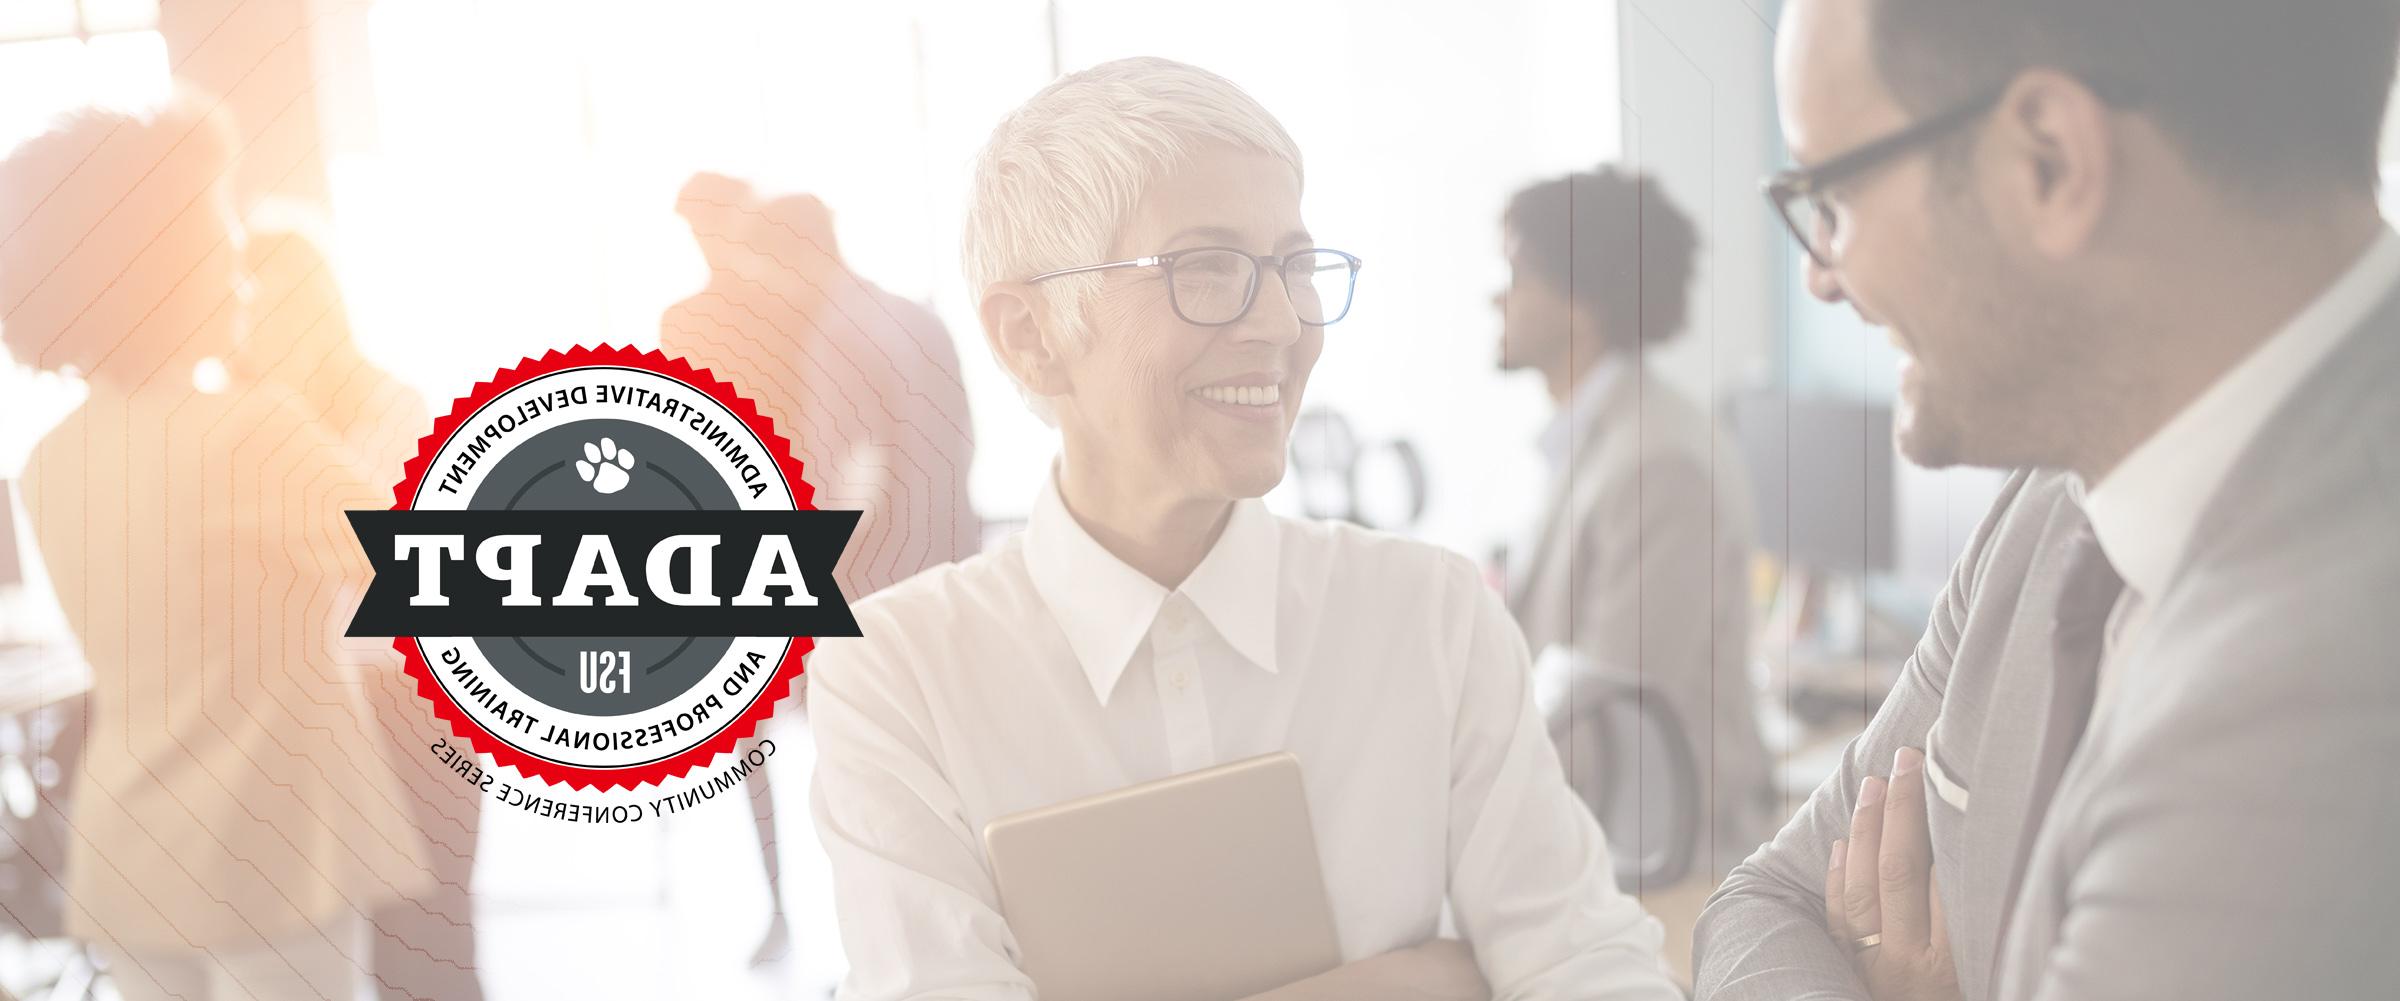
(1255, 397)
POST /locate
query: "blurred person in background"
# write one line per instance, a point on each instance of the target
(1142, 271)
(299, 337)
(720, 211)
(1639, 570)
(236, 824)
(865, 383)
(2143, 748)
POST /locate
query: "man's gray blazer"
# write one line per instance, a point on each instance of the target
(2225, 828)
(1642, 568)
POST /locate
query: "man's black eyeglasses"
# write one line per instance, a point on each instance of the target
(1798, 194)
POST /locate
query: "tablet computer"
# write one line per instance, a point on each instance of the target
(1203, 886)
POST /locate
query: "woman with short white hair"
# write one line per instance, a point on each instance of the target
(1136, 244)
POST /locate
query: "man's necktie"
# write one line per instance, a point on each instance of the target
(2079, 630)
(2079, 637)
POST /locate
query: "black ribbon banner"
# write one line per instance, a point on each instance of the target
(474, 605)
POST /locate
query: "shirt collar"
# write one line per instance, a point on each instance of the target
(1591, 393)
(2145, 510)
(1106, 608)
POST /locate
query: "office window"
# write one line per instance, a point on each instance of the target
(38, 19)
(104, 16)
(57, 55)
(528, 167)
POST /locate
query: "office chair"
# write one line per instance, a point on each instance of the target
(1609, 733)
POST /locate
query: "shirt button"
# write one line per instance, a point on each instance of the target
(1179, 679)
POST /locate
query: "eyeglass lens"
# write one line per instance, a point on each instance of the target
(1217, 286)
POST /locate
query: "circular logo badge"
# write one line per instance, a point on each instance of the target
(603, 568)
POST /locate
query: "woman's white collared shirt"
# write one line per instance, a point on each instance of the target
(1046, 669)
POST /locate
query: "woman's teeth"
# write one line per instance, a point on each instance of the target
(1246, 396)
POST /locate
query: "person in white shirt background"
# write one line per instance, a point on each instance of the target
(1154, 618)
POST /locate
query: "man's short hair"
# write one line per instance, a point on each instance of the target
(2265, 95)
(1613, 241)
(1060, 174)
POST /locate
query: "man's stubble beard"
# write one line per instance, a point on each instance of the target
(2000, 390)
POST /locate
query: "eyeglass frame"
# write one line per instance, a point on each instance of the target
(1808, 183)
(1259, 265)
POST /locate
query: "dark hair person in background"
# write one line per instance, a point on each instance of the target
(2143, 750)
(1640, 565)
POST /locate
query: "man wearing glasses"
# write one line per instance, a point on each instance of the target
(2143, 749)
(1144, 274)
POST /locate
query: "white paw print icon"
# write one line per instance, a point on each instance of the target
(604, 465)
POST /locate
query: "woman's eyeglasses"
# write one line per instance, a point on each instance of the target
(1214, 286)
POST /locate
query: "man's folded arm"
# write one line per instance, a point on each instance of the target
(1762, 936)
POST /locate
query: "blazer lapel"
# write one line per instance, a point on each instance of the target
(2018, 762)
(1994, 824)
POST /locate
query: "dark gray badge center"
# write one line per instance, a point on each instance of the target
(658, 473)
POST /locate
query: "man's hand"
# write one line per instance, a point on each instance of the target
(1880, 898)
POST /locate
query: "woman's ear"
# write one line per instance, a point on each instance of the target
(1011, 314)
